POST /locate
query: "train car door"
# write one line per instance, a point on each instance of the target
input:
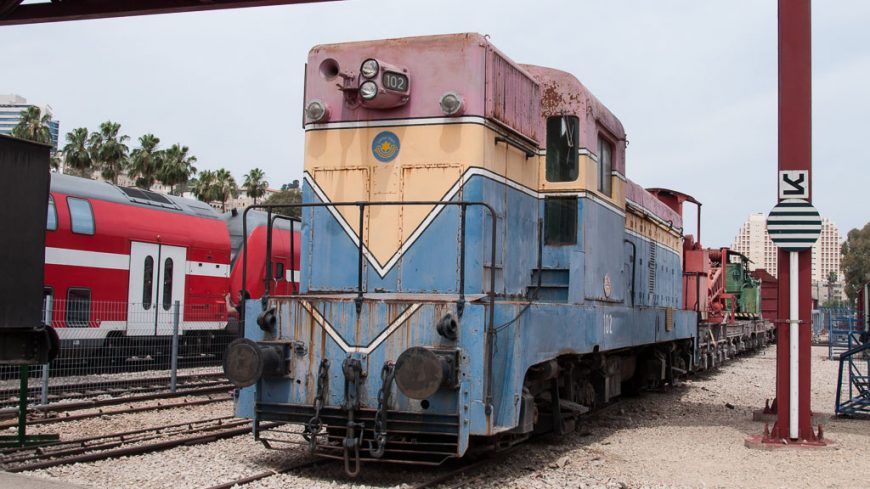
(156, 281)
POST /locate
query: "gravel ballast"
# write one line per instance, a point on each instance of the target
(691, 435)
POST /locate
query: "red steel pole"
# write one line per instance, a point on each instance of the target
(795, 153)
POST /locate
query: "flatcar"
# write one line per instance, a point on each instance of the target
(117, 259)
(483, 270)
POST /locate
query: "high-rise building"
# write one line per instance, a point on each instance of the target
(753, 241)
(10, 113)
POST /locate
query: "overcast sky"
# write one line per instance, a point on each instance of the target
(693, 82)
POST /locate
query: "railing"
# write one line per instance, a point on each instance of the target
(857, 359)
(463, 205)
(360, 291)
(841, 323)
(107, 348)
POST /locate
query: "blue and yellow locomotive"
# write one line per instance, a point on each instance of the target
(476, 267)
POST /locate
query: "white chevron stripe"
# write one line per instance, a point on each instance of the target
(330, 330)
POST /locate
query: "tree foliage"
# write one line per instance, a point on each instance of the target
(146, 161)
(176, 168)
(76, 156)
(286, 196)
(856, 260)
(108, 150)
(33, 126)
(255, 184)
(225, 187)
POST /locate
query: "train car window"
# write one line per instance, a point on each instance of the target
(51, 222)
(167, 284)
(605, 166)
(560, 221)
(78, 307)
(47, 305)
(563, 133)
(81, 215)
(279, 271)
(147, 282)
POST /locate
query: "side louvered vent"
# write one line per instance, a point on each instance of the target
(512, 97)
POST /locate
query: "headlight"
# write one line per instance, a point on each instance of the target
(451, 103)
(421, 372)
(369, 68)
(315, 110)
(368, 90)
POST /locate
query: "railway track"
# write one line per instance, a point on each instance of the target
(48, 410)
(59, 415)
(128, 443)
(116, 387)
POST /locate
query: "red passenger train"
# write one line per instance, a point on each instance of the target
(117, 259)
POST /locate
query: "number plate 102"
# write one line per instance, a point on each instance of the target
(395, 81)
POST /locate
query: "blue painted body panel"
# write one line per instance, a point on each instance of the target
(401, 308)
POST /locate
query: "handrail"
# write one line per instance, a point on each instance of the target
(460, 306)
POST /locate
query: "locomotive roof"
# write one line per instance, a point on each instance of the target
(93, 189)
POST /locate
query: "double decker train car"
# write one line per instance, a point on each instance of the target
(476, 265)
(117, 259)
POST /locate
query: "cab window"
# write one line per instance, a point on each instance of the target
(81, 215)
(605, 166)
(562, 135)
(560, 221)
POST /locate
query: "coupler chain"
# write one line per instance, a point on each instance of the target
(380, 431)
(352, 369)
(315, 425)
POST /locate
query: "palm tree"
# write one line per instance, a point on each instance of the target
(203, 187)
(146, 161)
(108, 150)
(255, 184)
(224, 187)
(176, 168)
(33, 125)
(75, 154)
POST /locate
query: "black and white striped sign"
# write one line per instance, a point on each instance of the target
(794, 225)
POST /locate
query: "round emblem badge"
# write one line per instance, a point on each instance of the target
(385, 146)
(608, 287)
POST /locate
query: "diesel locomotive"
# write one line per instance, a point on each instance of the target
(475, 265)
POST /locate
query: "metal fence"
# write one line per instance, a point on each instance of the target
(124, 349)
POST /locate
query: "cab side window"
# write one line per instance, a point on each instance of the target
(81, 215)
(605, 166)
(562, 134)
(560, 221)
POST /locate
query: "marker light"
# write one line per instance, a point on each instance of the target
(451, 103)
(369, 68)
(368, 90)
(315, 110)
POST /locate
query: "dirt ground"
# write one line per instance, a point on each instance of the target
(693, 436)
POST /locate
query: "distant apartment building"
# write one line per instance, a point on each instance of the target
(10, 114)
(753, 241)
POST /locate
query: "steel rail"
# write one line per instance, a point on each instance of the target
(13, 392)
(114, 440)
(82, 441)
(140, 449)
(138, 409)
(78, 406)
(270, 473)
